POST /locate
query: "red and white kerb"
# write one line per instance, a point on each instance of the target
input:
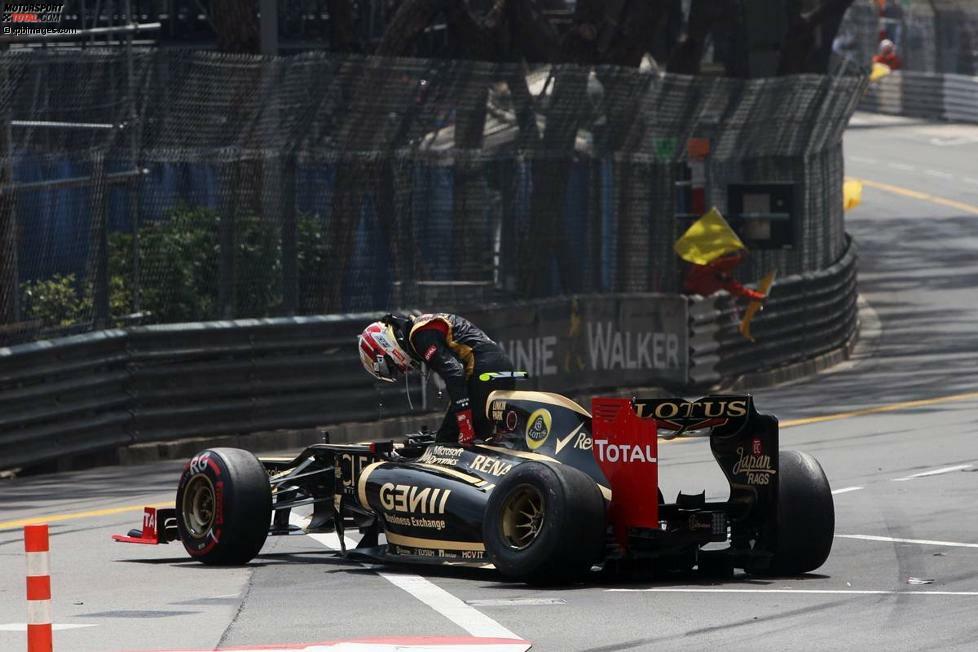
(38, 588)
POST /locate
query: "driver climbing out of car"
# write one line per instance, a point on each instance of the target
(464, 357)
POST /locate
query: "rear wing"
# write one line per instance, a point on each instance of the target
(680, 415)
(743, 441)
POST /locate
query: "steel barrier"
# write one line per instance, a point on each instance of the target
(932, 96)
(112, 388)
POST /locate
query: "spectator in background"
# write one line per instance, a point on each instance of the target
(718, 275)
(888, 56)
(844, 44)
(713, 250)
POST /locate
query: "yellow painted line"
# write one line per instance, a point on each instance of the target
(922, 196)
(892, 407)
(72, 516)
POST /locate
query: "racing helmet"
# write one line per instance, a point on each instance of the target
(380, 353)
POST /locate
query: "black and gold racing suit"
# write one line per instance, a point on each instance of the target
(466, 359)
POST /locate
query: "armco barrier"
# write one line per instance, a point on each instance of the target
(155, 383)
(249, 375)
(111, 388)
(63, 397)
(932, 96)
(805, 316)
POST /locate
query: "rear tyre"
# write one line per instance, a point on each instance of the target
(224, 506)
(806, 516)
(545, 524)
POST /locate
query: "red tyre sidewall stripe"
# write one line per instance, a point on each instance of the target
(195, 547)
(215, 536)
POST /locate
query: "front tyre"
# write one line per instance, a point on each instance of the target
(224, 506)
(806, 516)
(544, 524)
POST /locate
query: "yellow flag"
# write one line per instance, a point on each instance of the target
(852, 194)
(707, 239)
(879, 71)
(755, 306)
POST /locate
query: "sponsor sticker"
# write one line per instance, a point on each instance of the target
(679, 415)
(441, 455)
(756, 466)
(430, 353)
(538, 428)
(627, 453)
(413, 499)
(498, 409)
(581, 439)
(512, 421)
(490, 465)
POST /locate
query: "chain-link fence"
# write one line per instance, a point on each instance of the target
(186, 186)
(930, 35)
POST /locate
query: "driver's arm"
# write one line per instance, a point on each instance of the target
(430, 344)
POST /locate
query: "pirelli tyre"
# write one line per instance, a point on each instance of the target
(805, 524)
(224, 506)
(544, 524)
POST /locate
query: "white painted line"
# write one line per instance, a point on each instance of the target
(939, 174)
(862, 159)
(468, 618)
(22, 627)
(902, 166)
(946, 469)
(971, 181)
(923, 542)
(953, 142)
(845, 490)
(332, 540)
(798, 591)
(392, 644)
(515, 602)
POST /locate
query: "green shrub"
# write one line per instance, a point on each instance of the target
(180, 266)
(179, 272)
(56, 302)
(313, 266)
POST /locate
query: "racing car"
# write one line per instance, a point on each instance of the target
(555, 492)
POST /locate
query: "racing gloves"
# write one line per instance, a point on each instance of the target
(466, 432)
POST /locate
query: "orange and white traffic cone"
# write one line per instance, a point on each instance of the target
(38, 589)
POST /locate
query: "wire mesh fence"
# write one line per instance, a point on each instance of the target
(930, 35)
(186, 186)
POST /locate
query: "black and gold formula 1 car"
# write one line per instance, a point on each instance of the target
(555, 492)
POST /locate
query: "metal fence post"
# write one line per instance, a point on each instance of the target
(132, 187)
(9, 277)
(290, 249)
(226, 288)
(99, 249)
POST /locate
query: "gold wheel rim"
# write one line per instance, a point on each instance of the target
(522, 517)
(198, 505)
